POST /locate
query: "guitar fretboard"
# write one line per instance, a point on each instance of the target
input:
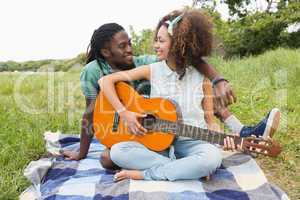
(193, 132)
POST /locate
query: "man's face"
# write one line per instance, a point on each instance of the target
(121, 51)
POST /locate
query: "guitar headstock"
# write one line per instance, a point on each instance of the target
(268, 147)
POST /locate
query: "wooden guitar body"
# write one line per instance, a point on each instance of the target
(106, 118)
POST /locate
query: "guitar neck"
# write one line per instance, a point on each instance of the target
(194, 132)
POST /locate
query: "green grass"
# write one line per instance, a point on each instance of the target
(33, 104)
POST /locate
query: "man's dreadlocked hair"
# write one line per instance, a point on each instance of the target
(191, 40)
(99, 40)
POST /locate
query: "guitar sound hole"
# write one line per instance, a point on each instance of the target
(148, 122)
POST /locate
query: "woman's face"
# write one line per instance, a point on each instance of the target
(162, 43)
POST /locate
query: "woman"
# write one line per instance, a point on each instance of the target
(181, 38)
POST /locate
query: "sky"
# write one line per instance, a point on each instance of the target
(58, 29)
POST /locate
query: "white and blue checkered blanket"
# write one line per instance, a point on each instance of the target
(55, 178)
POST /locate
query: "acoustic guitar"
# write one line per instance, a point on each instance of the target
(163, 122)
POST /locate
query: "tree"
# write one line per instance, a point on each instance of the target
(142, 43)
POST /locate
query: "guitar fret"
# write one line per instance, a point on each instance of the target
(204, 135)
(208, 136)
(161, 126)
(198, 134)
(195, 133)
(190, 131)
(174, 127)
(157, 125)
(212, 138)
(179, 129)
(165, 127)
(217, 138)
(220, 138)
(186, 133)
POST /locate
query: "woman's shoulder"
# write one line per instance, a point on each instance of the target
(159, 67)
(158, 64)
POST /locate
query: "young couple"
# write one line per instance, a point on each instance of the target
(177, 72)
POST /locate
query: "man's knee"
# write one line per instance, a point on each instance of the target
(106, 161)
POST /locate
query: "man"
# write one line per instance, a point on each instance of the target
(111, 51)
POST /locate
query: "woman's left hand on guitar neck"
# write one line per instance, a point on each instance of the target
(229, 144)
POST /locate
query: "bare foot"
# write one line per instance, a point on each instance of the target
(130, 174)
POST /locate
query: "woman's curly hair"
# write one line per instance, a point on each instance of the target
(192, 38)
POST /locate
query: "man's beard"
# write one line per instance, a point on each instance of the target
(124, 66)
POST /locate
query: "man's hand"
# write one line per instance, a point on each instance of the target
(223, 95)
(71, 155)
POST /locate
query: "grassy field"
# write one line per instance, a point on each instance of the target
(31, 104)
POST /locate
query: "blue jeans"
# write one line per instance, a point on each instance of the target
(187, 159)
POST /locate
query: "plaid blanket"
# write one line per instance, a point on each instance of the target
(55, 178)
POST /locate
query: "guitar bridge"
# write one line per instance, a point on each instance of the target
(116, 122)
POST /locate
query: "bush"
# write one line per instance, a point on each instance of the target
(42, 65)
(142, 43)
(256, 33)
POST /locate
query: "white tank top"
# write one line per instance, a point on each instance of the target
(187, 92)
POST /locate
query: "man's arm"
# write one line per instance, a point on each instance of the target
(86, 132)
(223, 94)
(208, 107)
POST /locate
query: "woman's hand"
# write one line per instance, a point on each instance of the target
(229, 144)
(131, 120)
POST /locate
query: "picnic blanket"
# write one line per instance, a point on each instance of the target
(55, 178)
